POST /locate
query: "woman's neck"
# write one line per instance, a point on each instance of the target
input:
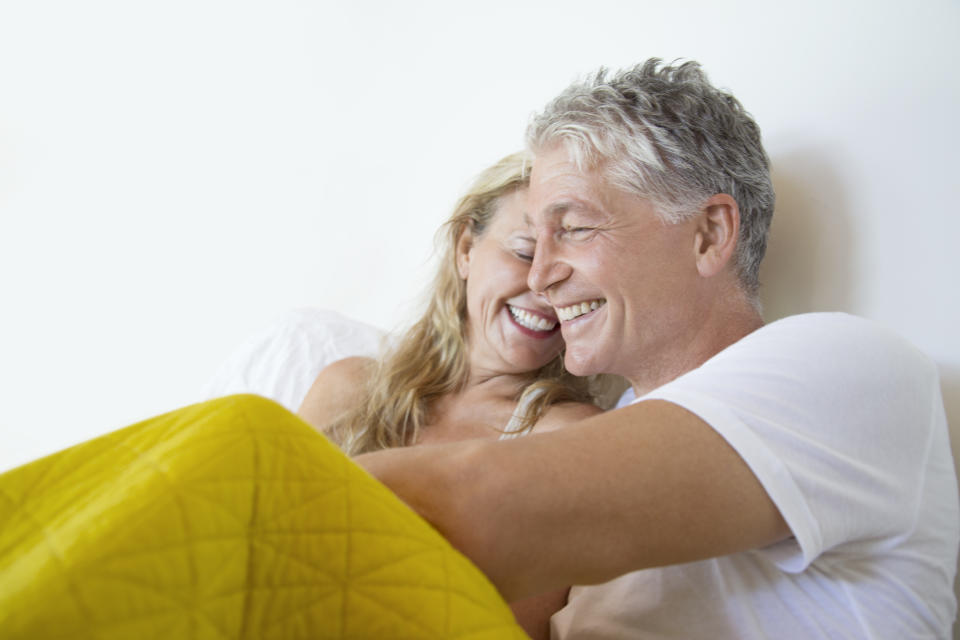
(481, 409)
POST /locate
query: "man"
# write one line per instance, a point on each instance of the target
(792, 480)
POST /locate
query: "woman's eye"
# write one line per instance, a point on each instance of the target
(524, 256)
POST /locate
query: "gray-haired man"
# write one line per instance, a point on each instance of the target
(791, 480)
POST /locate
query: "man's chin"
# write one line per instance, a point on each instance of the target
(579, 364)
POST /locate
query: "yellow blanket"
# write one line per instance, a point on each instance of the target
(228, 519)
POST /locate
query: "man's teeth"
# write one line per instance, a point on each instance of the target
(531, 321)
(575, 310)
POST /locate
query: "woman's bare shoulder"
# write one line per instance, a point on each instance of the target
(353, 369)
(337, 389)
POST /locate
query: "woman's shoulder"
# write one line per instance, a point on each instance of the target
(337, 388)
(352, 369)
(345, 376)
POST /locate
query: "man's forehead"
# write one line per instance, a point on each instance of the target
(557, 163)
(558, 185)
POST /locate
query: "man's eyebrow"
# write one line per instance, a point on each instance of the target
(557, 209)
(560, 208)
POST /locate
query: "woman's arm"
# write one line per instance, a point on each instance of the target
(337, 389)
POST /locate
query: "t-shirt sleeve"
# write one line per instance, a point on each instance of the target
(833, 415)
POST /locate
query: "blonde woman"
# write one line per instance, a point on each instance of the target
(484, 361)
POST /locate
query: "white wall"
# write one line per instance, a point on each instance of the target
(173, 175)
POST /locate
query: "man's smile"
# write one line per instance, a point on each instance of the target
(577, 309)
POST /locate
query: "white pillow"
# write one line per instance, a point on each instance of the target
(282, 361)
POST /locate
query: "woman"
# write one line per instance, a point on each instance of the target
(484, 360)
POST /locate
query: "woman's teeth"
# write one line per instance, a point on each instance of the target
(530, 321)
(575, 310)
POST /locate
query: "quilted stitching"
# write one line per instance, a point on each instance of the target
(226, 520)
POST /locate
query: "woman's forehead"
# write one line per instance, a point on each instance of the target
(511, 215)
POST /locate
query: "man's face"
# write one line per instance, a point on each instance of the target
(622, 282)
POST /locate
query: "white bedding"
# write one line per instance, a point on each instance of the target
(281, 361)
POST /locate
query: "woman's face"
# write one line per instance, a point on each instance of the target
(510, 329)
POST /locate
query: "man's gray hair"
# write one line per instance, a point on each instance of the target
(666, 134)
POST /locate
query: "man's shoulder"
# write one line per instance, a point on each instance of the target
(830, 353)
(828, 323)
(836, 335)
(815, 353)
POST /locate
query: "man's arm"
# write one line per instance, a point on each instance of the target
(647, 485)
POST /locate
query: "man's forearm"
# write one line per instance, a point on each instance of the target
(450, 485)
(634, 488)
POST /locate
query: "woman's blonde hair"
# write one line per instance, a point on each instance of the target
(430, 360)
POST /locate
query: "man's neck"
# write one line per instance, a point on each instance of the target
(718, 328)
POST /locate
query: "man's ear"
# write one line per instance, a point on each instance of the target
(718, 229)
(464, 245)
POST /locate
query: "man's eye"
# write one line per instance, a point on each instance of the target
(524, 256)
(577, 231)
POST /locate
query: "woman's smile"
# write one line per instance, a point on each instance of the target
(531, 323)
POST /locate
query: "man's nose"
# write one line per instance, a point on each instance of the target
(547, 269)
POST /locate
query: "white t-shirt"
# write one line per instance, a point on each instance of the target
(843, 424)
